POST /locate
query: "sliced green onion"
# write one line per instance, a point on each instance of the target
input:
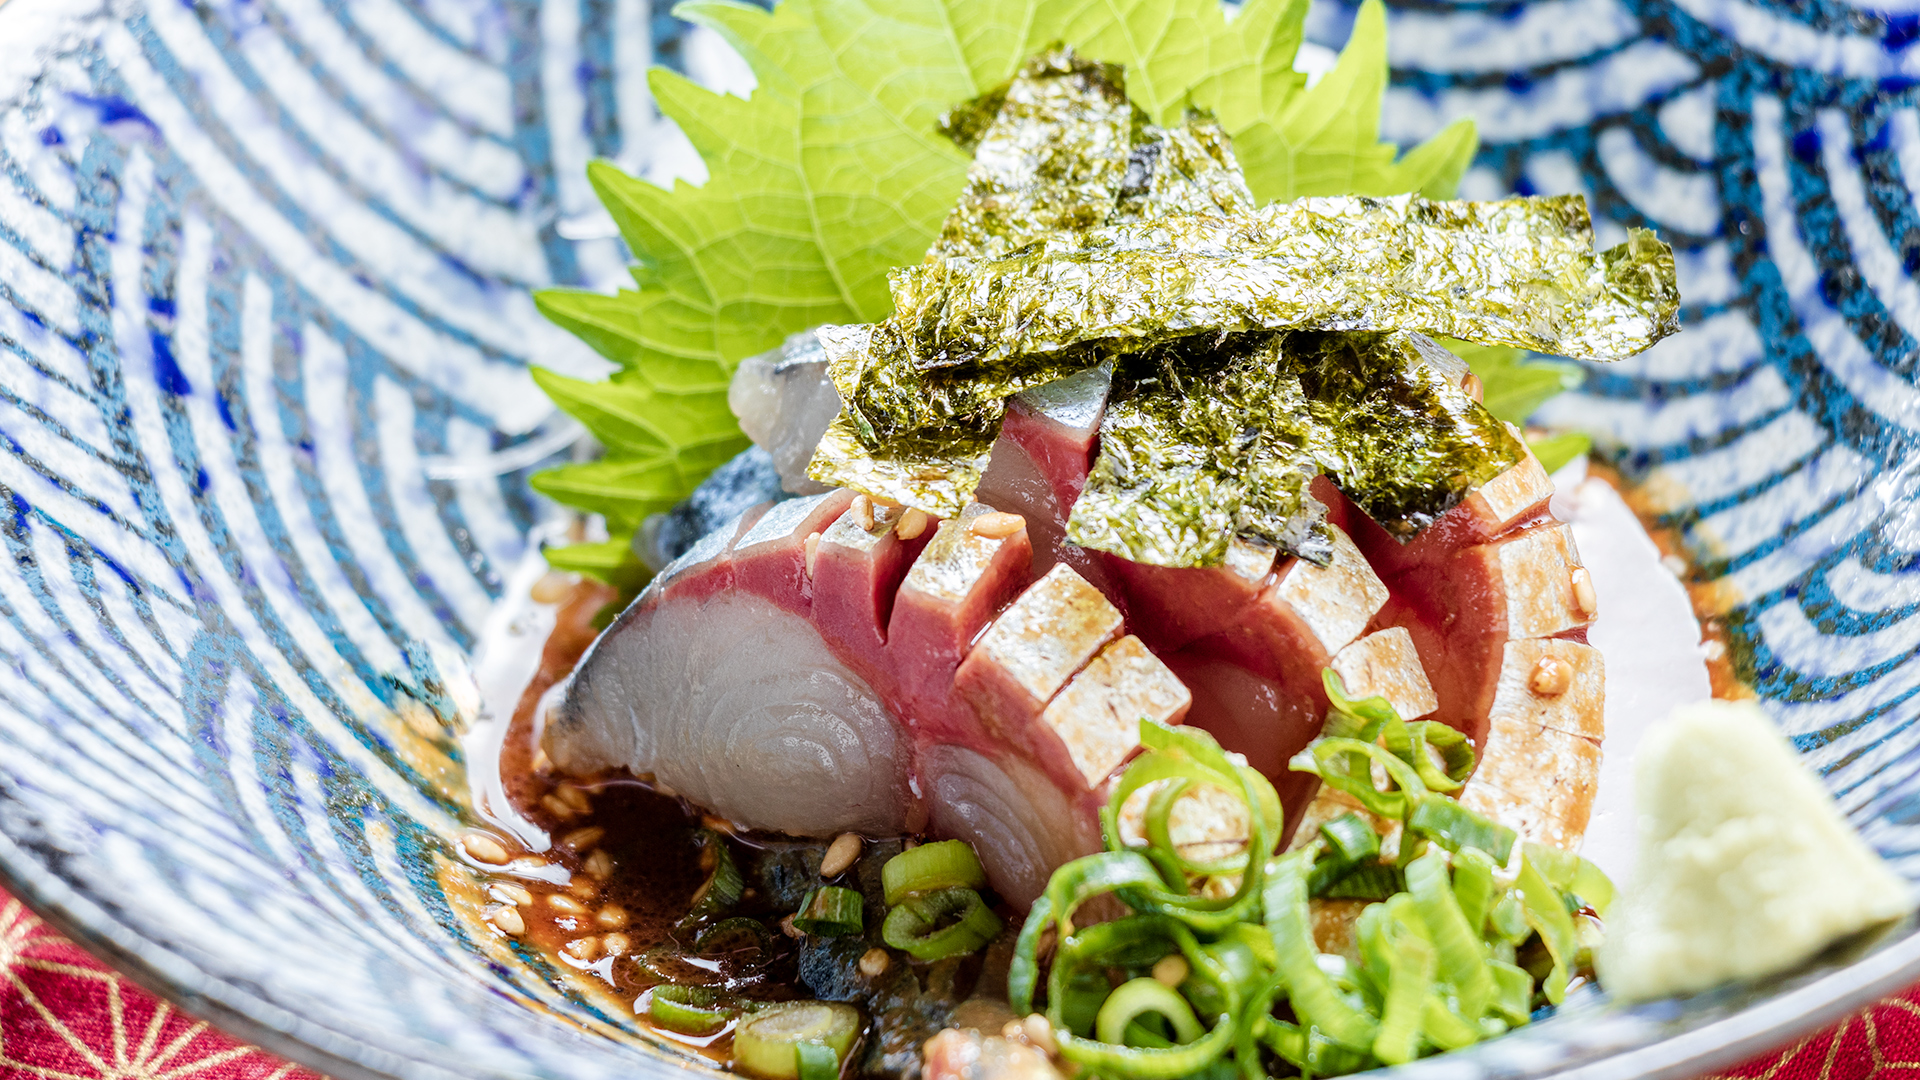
(1137, 997)
(936, 925)
(817, 1061)
(1369, 881)
(1512, 993)
(1428, 737)
(731, 935)
(1473, 887)
(1508, 923)
(1462, 956)
(1315, 1000)
(1189, 753)
(1351, 838)
(1347, 766)
(767, 1042)
(723, 888)
(830, 911)
(1445, 1028)
(1070, 886)
(1357, 718)
(1570, 873)
(947, 864)
(689, 1010)
(1445, 822)
(1147, 1063)
(1410, 967)
(1548, 917)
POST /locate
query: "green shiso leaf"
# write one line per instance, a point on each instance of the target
(834, 170)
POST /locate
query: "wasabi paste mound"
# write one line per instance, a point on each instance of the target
(1746, 867)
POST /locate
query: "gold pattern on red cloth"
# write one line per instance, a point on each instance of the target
(64, 1016)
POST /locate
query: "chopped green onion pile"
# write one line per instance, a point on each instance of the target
(1460, 940)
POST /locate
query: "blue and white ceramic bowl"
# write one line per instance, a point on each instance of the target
(265, 428)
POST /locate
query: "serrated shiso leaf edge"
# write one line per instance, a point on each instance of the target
(832, 171)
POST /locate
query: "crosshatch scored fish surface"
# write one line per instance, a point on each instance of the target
(267, 425)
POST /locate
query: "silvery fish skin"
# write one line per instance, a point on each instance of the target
(1052, 158)
(784, 400)
(1519, 272)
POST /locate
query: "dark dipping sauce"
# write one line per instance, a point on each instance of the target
(640, 861)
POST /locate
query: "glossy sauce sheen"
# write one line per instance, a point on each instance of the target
(634, 856)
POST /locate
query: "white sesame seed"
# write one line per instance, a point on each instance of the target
(1170, 970)
(873, 963)
(813, 551)
(565, 905)
(599, 864)
(862, 509)
(1550, 678)
(483, 848)
(611, 917)
(1583, 595)
(1040, 1033)
(583, 840)
(840, 855)
(912, 524)
(585, 948)
(509, 921)
(509, 893)
(997, 525)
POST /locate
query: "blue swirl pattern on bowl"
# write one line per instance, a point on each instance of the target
(265, 426)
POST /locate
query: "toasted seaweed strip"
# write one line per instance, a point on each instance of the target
(1188, 169)
(1518, 272)
(966, 123)
(1205, 438)
(1052, 158)
(919, 438)
(1398, 435)
(938, 479)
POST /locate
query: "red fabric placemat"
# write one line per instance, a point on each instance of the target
(64, 1016)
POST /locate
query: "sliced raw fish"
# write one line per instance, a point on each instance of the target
(1022, 825)
(816, 666)
(741, 707)
(785, 401)
(1052, 631)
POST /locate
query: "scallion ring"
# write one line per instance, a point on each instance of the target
(689, 1010)
(936, 925)
(947, 864)
(830, 911)
(732, 935)
(1138, 997)
(767, 1042)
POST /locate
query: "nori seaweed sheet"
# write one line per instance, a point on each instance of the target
(1205, 438)
(1398, 436)
(1052, 158)
(1519, 272)
(1254, 347)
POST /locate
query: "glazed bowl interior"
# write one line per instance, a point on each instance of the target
(264, 339)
